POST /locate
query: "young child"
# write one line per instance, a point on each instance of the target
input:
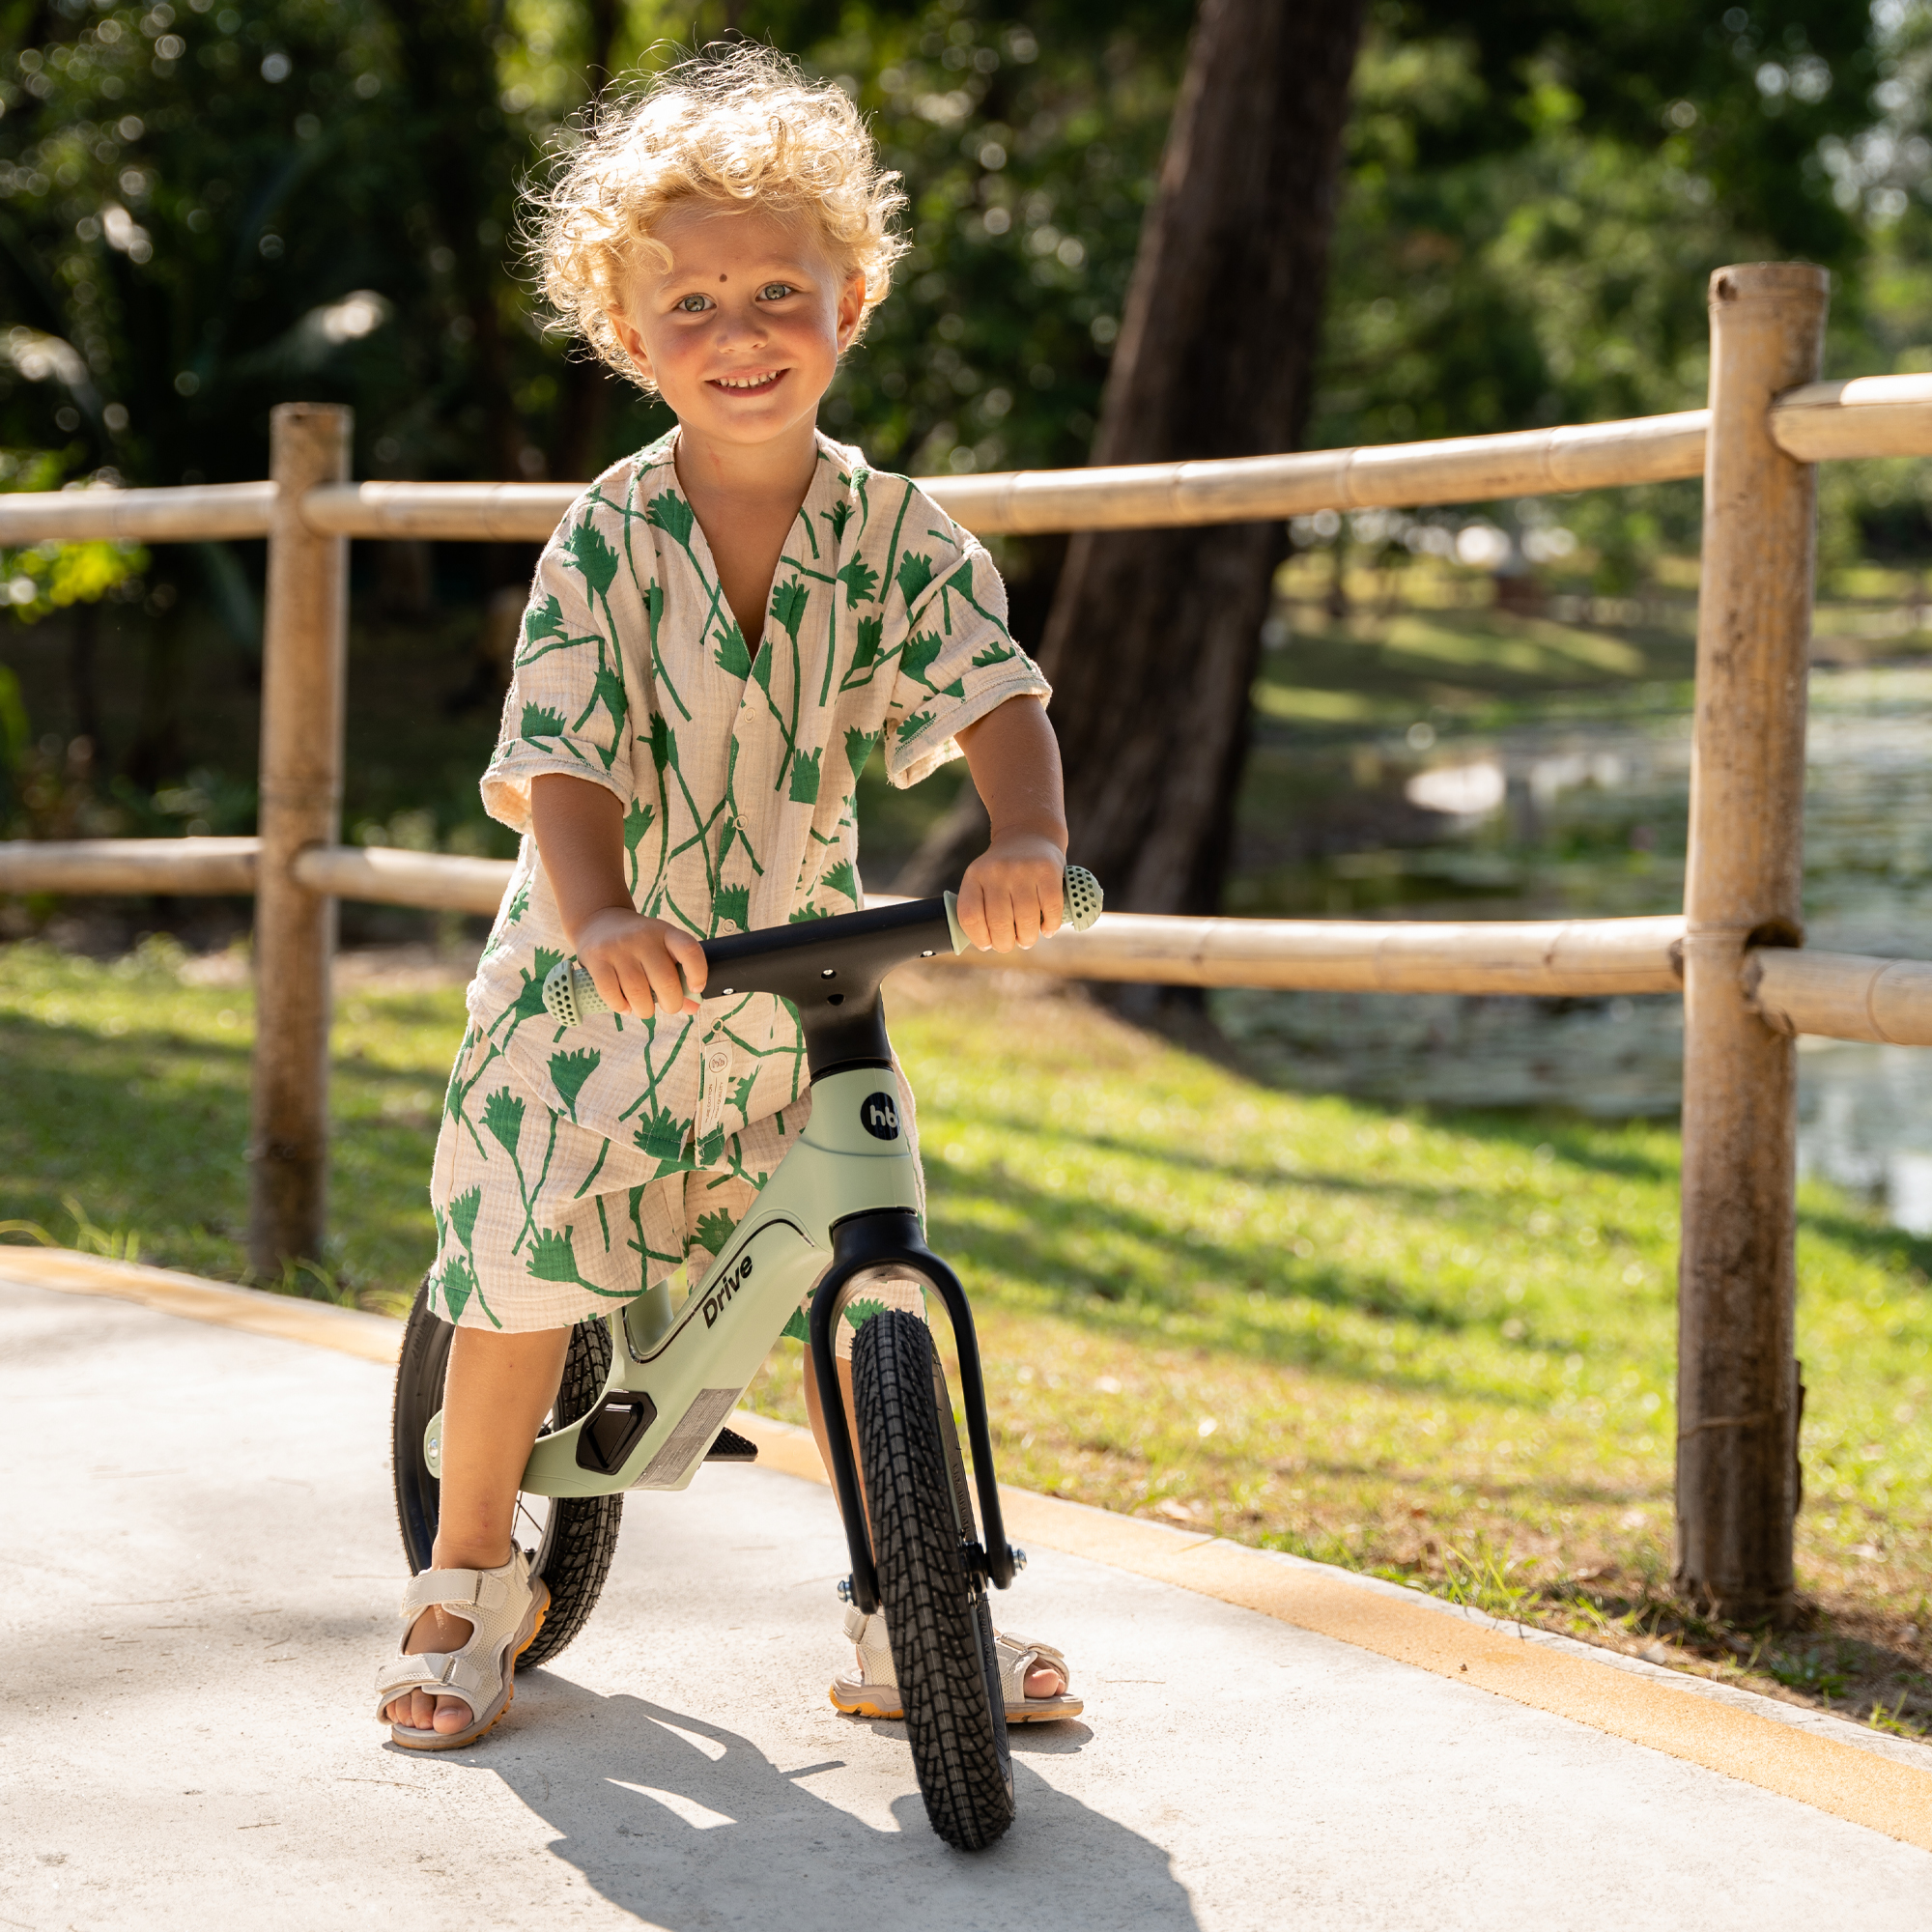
(719, 631)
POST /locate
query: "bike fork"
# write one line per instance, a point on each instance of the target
(892, 1237)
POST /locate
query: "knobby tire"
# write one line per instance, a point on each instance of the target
(937, 1617)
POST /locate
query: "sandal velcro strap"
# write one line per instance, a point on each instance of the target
(430, 1670)
(455, 1590)
(1019, 1655)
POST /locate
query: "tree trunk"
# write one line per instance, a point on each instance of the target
(1154, 640)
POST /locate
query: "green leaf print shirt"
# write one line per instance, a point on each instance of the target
(736, 765)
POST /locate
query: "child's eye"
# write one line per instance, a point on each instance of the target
(775, 291)
(695, 305)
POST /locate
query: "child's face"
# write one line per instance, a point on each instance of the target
(742, 334)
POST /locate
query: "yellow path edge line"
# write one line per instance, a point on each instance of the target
(288, 1318)
(1859, 1786)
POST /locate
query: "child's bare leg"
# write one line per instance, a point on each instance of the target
(1043, 1681)
(499, 1391)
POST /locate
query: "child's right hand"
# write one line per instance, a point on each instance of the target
(634, 961)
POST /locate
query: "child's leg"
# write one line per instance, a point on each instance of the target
(499, 1391)
(1042, 1682)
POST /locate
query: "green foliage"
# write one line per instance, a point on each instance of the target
(1538, 192)
(50, 576)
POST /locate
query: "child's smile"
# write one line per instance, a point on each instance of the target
(745, 385)
(742, 333)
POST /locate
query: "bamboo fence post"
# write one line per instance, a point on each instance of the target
(304, 647)
(1738, 1394)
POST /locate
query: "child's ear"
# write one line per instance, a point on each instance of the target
(631, 342)
(851, 309)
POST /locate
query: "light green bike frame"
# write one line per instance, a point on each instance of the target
(695, 1361)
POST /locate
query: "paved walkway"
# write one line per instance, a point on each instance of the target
(199, 1561)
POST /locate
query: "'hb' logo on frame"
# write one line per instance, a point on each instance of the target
(879, 1116)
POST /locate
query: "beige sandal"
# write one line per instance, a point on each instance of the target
(872, 1689)
(504, 1609)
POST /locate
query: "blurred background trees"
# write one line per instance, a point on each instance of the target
(208, 206)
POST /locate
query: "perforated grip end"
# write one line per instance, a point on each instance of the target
(1084, 898)
(1080, 905)
(570, 994)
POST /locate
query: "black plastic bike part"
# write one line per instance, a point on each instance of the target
(604, 1442)
(731, 1447)
(576, 1536)
(885, 1238)
(830, 970)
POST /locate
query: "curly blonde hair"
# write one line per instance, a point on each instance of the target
(736, 126)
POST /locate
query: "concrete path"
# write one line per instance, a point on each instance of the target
(199, 1561)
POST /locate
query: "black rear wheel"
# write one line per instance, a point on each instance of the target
(936, 1611)
(571, 1538)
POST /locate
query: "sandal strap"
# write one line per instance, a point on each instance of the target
(1018, 1655)
(456, 1590)
(875, 1650)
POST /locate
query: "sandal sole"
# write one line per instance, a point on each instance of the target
(1068, 1706)
(406, 1738)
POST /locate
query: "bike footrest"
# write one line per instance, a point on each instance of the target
(731, 1447)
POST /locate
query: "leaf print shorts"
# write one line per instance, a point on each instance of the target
(543, 1224)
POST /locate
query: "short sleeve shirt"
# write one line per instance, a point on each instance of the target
(736, 768)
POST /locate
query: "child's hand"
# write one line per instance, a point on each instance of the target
(634, 961)
(1014, 893)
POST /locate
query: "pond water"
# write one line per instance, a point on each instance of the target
(1584, 815)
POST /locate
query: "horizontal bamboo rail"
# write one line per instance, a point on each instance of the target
(490, 512)
(1555, 958)
(1869, 415)
(387, 875)
(189, 513)
(1872, 415)
(1839, 995)
(1459, 469)
(171, 868)
(1842, 995)
(1464, 469)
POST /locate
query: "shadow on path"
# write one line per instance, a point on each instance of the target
(691, 1826)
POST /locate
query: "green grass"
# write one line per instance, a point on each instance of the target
(1435, 1346)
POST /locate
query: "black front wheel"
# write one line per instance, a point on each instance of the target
(571, 1538)
(937, 1612)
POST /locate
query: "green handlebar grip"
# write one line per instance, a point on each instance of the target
(1081, 903)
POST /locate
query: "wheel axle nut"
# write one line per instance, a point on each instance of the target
(844, 1589)
(1019, 1559)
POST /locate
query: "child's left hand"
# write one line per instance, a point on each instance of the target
(1014, 893)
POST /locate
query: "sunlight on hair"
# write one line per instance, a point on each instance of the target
(740, 124)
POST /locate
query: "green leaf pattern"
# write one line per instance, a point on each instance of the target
(885, 621)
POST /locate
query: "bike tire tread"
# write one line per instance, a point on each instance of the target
(938, 1624)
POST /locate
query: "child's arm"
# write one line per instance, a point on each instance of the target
(1014, 893)
(632, 960)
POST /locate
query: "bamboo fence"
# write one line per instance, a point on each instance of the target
(1748, 987)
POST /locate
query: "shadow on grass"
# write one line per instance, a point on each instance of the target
(1049, 1250)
